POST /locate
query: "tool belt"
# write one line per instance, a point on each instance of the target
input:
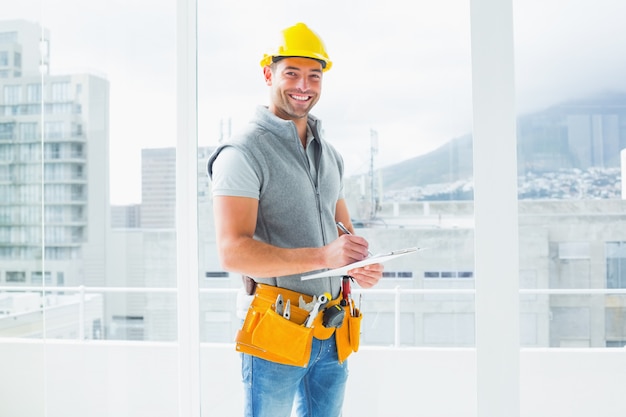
(268, 335)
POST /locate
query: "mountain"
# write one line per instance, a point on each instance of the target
(448, 163)
(579, 134)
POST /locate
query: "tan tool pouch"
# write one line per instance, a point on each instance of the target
(268, 335)
(348, 336)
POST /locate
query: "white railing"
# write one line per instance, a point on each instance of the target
(396, 292)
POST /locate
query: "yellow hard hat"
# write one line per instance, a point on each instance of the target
(299, 41)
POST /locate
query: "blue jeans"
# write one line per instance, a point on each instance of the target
(272, 389)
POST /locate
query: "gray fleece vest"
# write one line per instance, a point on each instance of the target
(295, 210)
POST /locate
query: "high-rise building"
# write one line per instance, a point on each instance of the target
(126, 217)
(158, 188)
(24, 49)
(54, 188)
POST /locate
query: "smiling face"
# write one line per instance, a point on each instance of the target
(295, 86)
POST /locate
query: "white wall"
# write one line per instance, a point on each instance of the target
(99, 379)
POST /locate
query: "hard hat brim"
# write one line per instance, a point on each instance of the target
(268, 59)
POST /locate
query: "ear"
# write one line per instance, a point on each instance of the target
(267, 74)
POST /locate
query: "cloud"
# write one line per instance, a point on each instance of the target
(567, 49)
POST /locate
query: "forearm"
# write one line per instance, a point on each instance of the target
(257, 259)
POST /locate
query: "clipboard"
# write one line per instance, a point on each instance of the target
(375, 259)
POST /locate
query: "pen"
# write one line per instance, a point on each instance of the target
(346, 231)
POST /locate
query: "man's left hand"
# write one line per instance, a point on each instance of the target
(367, 276)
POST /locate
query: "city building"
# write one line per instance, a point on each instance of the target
(143, 256)
(158, 188)
(68, 149)
(568, 248)
(126, 216)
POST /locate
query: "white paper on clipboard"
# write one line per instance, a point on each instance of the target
(375, 259)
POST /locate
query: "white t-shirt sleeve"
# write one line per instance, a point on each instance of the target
(233, 176)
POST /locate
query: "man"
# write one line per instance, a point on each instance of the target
(277, 199)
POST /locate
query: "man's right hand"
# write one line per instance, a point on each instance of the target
(345, 250)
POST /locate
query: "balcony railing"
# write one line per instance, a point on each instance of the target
(396, 294)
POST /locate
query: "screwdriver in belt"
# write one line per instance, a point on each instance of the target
(346, 293)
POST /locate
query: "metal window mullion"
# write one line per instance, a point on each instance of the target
(187, 212)
(495, 209)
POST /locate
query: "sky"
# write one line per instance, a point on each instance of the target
(401, 69)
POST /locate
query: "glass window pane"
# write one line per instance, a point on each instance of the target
(403, 117)
(397, 105)
(571, 130)
(90, 86)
